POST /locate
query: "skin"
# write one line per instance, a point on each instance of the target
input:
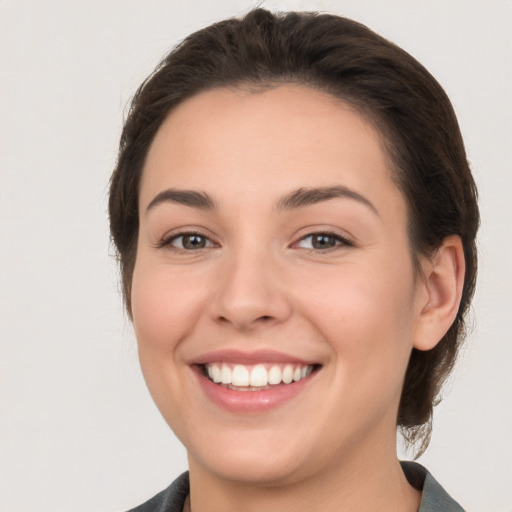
(357, 309)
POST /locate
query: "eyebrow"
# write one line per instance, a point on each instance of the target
(295, 199)
(190, 198)
(308, 196)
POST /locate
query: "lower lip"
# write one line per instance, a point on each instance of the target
(251, 401)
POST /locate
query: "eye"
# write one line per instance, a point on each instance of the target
(189, 241)
(322, 241)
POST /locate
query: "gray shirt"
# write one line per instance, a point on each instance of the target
(434, 497)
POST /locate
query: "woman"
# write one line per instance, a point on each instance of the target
(295, 220)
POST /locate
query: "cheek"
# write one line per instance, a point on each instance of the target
(163, 305)
(164, 311)
(165, 308)
(367, 317)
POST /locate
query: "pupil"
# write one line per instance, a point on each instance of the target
(193, 242)
(323, 241)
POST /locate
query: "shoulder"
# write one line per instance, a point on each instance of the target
(170, 499)
(434, 497)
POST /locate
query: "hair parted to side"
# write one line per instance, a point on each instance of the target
(381, 81)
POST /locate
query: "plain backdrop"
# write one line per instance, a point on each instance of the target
(78, 430)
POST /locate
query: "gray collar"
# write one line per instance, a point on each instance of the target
(434, 497)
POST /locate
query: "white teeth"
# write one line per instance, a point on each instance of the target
(216, 373)
(288, 374)
(240, 376)
(275, 375)
(226, 377)
(258, 376)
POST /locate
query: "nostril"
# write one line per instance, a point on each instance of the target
(264, 321)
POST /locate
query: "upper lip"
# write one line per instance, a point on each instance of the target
(244, 357)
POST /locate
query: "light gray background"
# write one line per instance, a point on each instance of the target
(78, 430)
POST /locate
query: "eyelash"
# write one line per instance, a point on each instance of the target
(339, 241)
(168, 242)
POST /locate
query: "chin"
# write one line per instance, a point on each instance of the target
(252, 459)
(252, 469)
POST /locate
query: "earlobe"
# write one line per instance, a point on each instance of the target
(442, 281)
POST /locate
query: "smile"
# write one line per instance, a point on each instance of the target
(256, 377)
(254, 382)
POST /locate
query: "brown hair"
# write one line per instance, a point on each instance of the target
(385, 84)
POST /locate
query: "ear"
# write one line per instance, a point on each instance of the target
(441, 291)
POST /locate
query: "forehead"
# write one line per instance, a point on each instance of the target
(243, 143)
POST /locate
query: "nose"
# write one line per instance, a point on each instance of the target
(251, 293)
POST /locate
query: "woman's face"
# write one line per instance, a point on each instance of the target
(273, 246)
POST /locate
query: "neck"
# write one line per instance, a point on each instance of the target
(356, 483)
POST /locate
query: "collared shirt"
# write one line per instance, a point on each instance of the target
(434, 497)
